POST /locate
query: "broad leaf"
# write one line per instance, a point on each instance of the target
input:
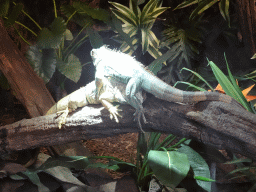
(170, 167)
(34, 178)
(82, 20)
(99, 14)
(13, 16)
(199, 166)
(72, 69)
(4, 8)
(43, 61)
(95, 39)
(68, 35)
(52, 37)
(58, 168)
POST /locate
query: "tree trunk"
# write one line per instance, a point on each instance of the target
(247, 20)
(29, 89)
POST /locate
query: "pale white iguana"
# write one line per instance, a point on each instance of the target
(124, 68)
(101, 91)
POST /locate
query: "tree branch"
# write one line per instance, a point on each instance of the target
(213, 123)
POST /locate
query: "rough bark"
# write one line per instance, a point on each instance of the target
(247, 22)
(28, 87)
(214, 123)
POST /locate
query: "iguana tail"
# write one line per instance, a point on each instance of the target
(166, 92)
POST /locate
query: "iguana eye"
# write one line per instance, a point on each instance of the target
(92, 53)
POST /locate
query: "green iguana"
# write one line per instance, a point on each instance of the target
(124, 68)
(107, 91)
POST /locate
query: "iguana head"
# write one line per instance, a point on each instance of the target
(98, 54)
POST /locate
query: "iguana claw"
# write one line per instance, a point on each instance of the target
(62, 116)
(138, 114)
(114, 113)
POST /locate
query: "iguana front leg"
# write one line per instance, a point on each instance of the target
(132, 89)
(108, 94)
(113, 110)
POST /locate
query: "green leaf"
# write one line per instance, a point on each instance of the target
(145, 40)
(133, 4)
(199, 166)
(72, 69)
(158, 11)
(242, 169)
(153, 140)
(190, 85)
(139, 2)
(203, 5)
(142, 144)
(52, 37)
(58, 27)
(18, 177)
(154, 42)
(224, 7)
(239, 161)
(99, 14)
(149, 7)
(114, 164)
(233, 81)
(77, 162)
(170, 167)
(64, 174)
(154, 52)
(156, 65)
(95, 39)
(43, 61)
(13, 16)
(204, 179)
(137, 25)
(146, 9)
(124, 13)
(199, 76)
(228, 87)
(57, 167)
(68, 35)
(4, 8)
(254, 56)
(83, 20)
(186, 4)
(33, 177)
(116, 24)
(104, 166)
(166, 142)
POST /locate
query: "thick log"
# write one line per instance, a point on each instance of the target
(28, 87)
(247, 21)
(214, 123)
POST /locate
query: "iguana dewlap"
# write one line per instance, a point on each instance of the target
(124, 68)
(101, 91)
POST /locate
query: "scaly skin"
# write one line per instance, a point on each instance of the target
(124, 68)
(106, 92)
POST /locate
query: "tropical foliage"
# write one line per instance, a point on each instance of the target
(181, 40)
(138, 25)
(203, 5)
